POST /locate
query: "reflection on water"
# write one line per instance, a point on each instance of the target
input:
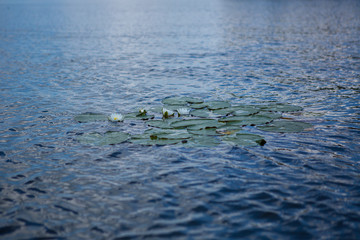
(62, 58)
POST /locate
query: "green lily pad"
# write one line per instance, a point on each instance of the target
(181, 100)
(206, 131)
(281, 108)
(161, 137)
(167, 134)
(192, 100)
(198, 105)
(172, 107)
(228, 130)
(174, 101)
(210, 124)
(284, 126)
(107, 138)
(111, 137)
(203, 141)
(90, 117)
(136, 115)
(89, 138)
(245, 139)
(241, 110)
(204, 113)
(273, 115)
(246, 120)
(165, 124)
(244, 110)
(202, 123)
(151, 142)
(214, 105)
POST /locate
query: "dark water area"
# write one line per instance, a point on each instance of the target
(62, 58)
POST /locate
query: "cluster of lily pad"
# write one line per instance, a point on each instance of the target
(194, 122)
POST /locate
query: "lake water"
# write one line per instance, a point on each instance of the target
(62, 58)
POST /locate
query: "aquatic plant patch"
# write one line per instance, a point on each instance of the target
(285, 126)
(107, 138)
(193, 122)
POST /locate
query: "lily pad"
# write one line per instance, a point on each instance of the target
(198, 105)
(241, 110)
(204, 113)
(206, 131)
(281, 108)
(136, 115)
(246, 120)
(213, 105)
(244, 110)
(284, 126)
(89, 138)
(161, 142)
(90, 117)
(228, 130)
(161, 137)
(192, 100)
(273, 115)
(175, 101)
(167, 134)
(172, 107)
(107, 138)
(245, 139)
(112, 137)
(165, 124)
(210, 124)
(202, 123)
(203, 141)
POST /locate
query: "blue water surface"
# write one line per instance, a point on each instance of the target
(62, 58)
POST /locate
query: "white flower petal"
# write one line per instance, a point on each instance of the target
(169, 112)
(183, 111)
(116, 117)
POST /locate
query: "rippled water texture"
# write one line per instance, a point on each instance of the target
(62, 58)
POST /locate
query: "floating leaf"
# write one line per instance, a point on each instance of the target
(89, 138)
(285, 126)
(202, 123)
(111, 137)
(210, 124)
(203, 141)
(213, 105)
(192, 100)
(165, 124)
(206, 131)
(272, 115)
(161, 137)
(173, 107)
(161, 142)
(240, 110)
(105, 139)
(136, 115)
(246, 120)
(167, 134)
(228, 130)
(244, 110)
(204, 113)
(174, 101)
(198, 106)
(245, 139)
(90, 117)
(281, 108)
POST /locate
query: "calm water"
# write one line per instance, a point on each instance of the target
(62, 58)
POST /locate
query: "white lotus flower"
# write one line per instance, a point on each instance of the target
(183, 111)
(116, 117)
(142, 111)
(167, 113)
